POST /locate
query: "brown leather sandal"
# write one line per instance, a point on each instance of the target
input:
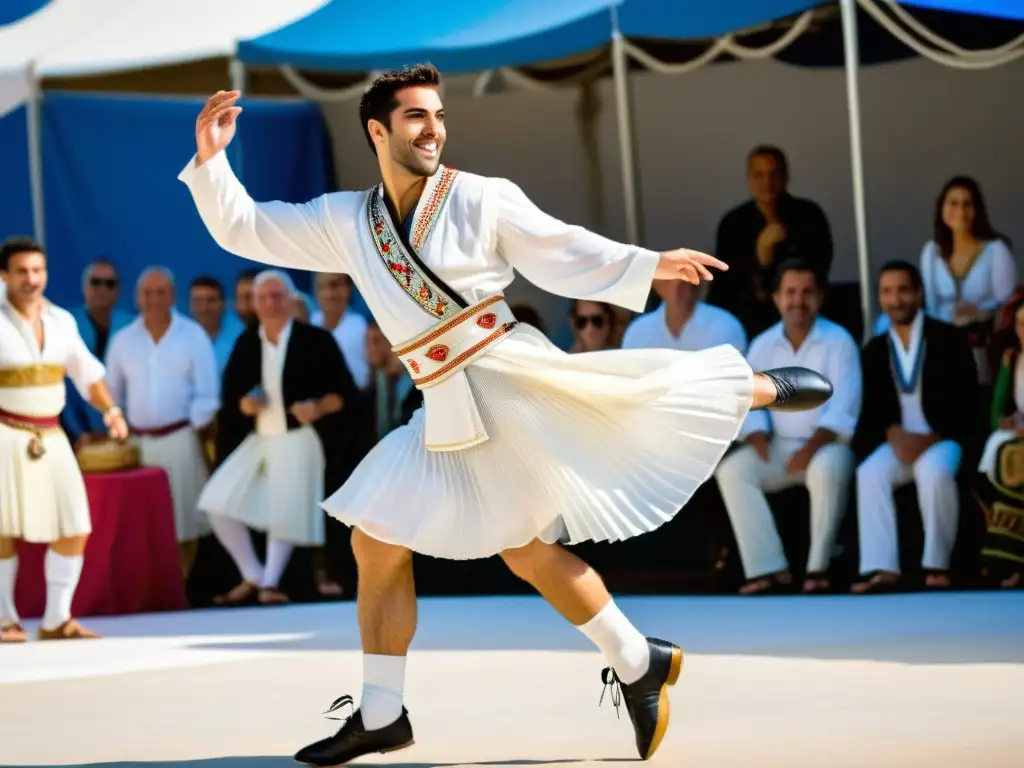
(769, 584)
(877, 583)
(12, 633)
(69, 630)
(242, 594)
(817, 583)
(273, 596)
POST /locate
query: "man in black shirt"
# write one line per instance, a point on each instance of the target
(754, 238)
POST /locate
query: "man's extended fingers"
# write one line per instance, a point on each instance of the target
(710, 261)
(217, 115)
(217, 100)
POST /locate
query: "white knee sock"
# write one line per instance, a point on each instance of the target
(62, 573)
(278, 555)
(8, 573)
(622, 645)
(235, 538)
(383, 681)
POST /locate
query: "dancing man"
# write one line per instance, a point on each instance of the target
(42, 495)
(519, 446)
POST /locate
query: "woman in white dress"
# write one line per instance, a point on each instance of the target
(967, 268)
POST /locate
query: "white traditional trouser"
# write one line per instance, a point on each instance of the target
(878, 476)
(743, 479)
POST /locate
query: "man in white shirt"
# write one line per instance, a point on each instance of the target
(786, 449)
(922, 383)
(163, 372)
(333, 294)
(684, 322)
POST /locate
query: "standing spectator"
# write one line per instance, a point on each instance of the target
(243, 297)
(163, 372)
(285, 390)
(785, 449)
(333, 296)
(595, 326)
(759, 235)
(207, 307)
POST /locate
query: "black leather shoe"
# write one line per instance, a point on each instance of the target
(799, 389)
(647, 698)
(353, 740)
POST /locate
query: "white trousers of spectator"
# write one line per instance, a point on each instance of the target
(879, 476)
(744, 478)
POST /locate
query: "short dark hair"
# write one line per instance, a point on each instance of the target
(208, 281)
(14, 246)
(898, 265)
(246, 276)
(380, 99)
(769, 150)
(797, 265)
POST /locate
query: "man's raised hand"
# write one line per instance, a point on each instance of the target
(691, 266)
(215, 126)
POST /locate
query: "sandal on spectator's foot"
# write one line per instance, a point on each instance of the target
(243, 594)
(771, 584)
(877, 583)
(330, 590)
(12, 633)
(817, 584)
(69, 630)
(936, 579)
(272, 596)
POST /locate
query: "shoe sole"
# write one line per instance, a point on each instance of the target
(379, 752)
(664, 708)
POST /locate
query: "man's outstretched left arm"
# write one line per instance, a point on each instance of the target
(571, 261)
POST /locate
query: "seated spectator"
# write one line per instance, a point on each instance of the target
(967, 268)
(335, 314)
(1000, 482)
(594, 326)
(759, 235)
(207, 306)
(391, 399)
(785, 449)
(923, 389)
(684, 322)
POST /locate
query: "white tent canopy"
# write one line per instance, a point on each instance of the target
(68, 38)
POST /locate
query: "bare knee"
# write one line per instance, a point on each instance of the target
(526, 562)
(6, 548)
(70, 546)
(377, 557)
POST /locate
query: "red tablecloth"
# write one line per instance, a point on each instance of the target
(131, 559)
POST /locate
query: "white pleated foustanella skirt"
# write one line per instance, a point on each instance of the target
(180, 455)
(599, 446)
(273, 484)
(41, 500)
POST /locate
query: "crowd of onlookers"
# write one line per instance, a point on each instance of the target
(933, 399)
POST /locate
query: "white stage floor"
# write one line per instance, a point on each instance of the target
(900, 681)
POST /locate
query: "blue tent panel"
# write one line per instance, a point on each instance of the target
(14, 10)
(1003, 9)
(457, 37)
(678, 20)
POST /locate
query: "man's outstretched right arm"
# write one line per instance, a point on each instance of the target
(276, 233)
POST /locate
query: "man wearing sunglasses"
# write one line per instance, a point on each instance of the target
(98, 319)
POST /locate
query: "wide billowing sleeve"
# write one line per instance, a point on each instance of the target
(275, 233)
(565, 259)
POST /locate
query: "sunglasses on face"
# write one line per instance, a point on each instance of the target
(103, 282)
(582, 321)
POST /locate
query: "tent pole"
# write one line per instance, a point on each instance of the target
(852, 59)
(238, 79)
(34, 127)
(627, 147)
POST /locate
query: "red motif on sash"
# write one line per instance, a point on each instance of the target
(414, 365)
(438, 353)
(487, 321)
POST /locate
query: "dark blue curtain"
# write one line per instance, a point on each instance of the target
(110, 174)
(15, 194)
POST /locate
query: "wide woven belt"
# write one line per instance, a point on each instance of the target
(450, 346)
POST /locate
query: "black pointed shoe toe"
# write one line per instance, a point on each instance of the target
(353, 740)
(799, 389)
(647, 699)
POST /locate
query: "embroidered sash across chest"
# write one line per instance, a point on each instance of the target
(402, 258)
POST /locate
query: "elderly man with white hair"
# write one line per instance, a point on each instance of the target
(285, 391)
(162, 370)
